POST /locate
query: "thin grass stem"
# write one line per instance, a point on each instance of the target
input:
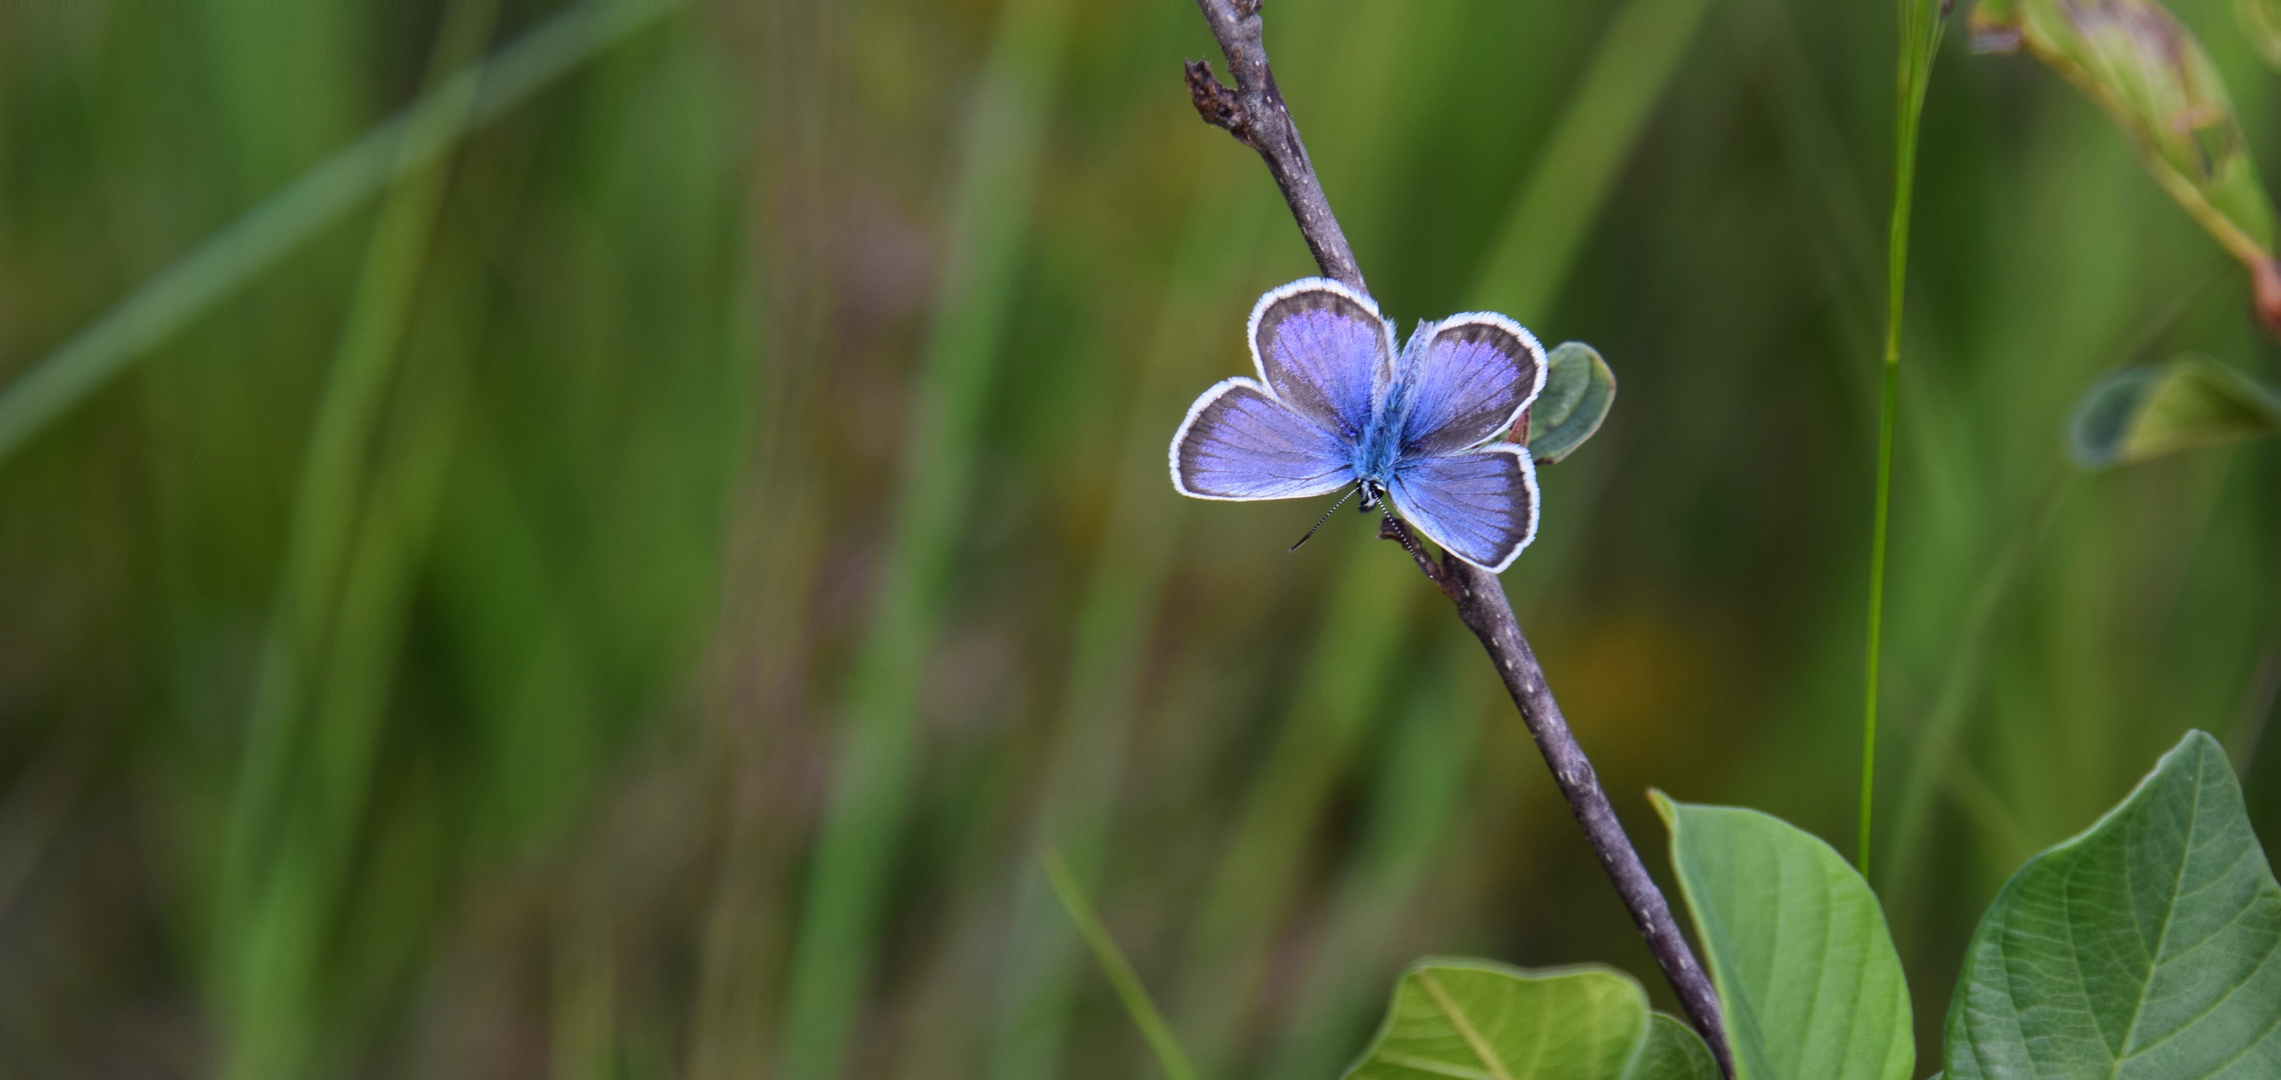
(1138, 1005)
(1921, 22)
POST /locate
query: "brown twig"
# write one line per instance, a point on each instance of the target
(1253, 111)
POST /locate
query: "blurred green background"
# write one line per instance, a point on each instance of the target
(631, 594)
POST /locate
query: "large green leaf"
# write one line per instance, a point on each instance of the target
(2144, 949)
(2144, 412)
(1807, 975)
(1480, 1020)
(2140, 64)
(1579, 389)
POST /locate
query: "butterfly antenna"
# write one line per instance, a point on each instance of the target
(1327, 515)
(1395, 524)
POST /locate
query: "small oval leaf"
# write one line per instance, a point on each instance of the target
(1808, 980)
(2144, 412)
(1579, 389)
(1481, 1019)
(2148, 948)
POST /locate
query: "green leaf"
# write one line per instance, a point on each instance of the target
(1579, 389)
(1481, 1020)
(2153, 78)
(2142, 949)
(1807, 976)
(2145, 412)
(1673, 1052)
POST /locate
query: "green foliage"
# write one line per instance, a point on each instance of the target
(1673, 1052)
(2156, 81)
(871, 778)
(556, 802)
(1579, 389)
(1613, 100)
(1138, 1004)
(338, 625)
(269, 232)
(1475, 1018)
(1808, 979)
(2261, 22)
(2147, 411)
(2148, 947)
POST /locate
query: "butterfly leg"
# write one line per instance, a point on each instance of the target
(1390, 528)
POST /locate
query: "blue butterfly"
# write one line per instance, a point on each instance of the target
(1335, 405)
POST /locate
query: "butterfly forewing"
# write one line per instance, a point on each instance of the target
(1324, 351)
(1473, 376)
(1241, 443)
(1479, 504)
(1328, 409)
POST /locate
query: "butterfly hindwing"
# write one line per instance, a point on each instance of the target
(1322, 349)
(1480, 504)
(1239, 442)
(1467, 382)
(1333, 404)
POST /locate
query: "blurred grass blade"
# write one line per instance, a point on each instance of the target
(1337, 700)
(1478, 1018)
(582, 1015)
(2145, 412)
(34, 806)
(1578, 168)
(2156, 82)
(1579, 390)
(282, 972)
(2261, 23)
(256, 241)
(873, 771)
(1139, 544)
(356, 532)
(1418, 792)
(1936, 761)
(2148, 946)
(1129, 989)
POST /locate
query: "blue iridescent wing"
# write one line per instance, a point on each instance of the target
(1322, 349)
(1478, 504)
(1239, 442)
(1466, 380)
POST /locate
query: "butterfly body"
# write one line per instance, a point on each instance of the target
(1336, 405)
